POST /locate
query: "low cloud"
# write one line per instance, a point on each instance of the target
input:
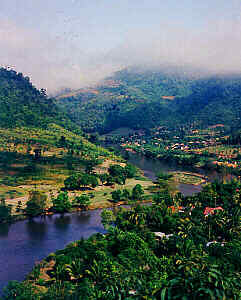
(54, 64)
(216, 49)
(50, 63)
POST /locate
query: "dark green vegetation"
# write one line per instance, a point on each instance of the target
(177, 248)
(40, 145)
(61, 203)
(22, 105)
(36, 203)
(5, 211)
(116, 174)
(146, 99)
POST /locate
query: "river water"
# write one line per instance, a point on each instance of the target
(26, 242)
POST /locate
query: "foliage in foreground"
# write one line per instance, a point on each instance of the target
(197, 257)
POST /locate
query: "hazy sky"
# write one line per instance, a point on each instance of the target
(71, 43)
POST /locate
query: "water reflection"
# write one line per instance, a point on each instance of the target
(62, 222)
(153, 166)
(36, 230)
(82, 218)
(189, 189)
(29, 241)
(4, 230)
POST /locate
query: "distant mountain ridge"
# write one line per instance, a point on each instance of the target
(140, 98)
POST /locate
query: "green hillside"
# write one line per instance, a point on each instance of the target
(213, 100)
(21, 104)
(146, 99)
(114, 103)
(39, 144)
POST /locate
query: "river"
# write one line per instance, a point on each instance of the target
(151, 167)
(26, 242)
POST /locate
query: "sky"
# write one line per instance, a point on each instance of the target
(73, 43)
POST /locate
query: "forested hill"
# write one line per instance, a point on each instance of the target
(21, 104)
(121, 100)
(145, 99)
(213, 100)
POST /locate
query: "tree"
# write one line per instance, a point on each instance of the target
(69, 162)
(126, 194)
(93, 181)
(163, 196)
(130, 171)
(5, 211)
(107, 218)
(76, 181)
(137, 192)
(62, 204)
(19, 206)
(62, 141)
(121, 179)
(19, 290)
(110, 180)
(116, 171)
(83, 201)
(36, 204)
(116, 196)
(103, 177)
(37, 153)
(90, 164)
(71, 183)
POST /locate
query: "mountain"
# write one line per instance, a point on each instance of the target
(30, 120)
(213, 100)
(139, 98)
(39, 142)
(21, 104)
(121, 99)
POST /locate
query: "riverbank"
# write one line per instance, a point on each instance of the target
(100, 196)
(30, 241)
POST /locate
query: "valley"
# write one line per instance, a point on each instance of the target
(139, 174)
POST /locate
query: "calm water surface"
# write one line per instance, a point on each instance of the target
(151, 167)
(24, 243)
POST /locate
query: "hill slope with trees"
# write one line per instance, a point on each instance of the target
(21, 104)
(145, 99)
(39, 142)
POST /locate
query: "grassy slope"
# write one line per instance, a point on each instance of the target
(50, 172)
(49, 176)
(29, 120)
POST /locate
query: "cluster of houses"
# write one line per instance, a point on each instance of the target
(195, 143)
(207, 211)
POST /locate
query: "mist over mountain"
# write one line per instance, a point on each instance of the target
(75, 45)
(142, 98)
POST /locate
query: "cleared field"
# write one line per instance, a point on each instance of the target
(189, 178)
